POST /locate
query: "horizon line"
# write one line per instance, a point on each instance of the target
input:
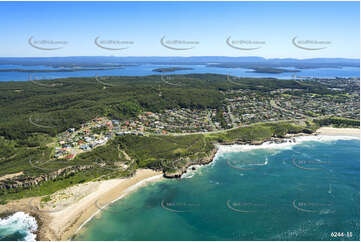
(210, 56)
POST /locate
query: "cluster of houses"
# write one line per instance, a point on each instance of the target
(92, 134)
(185, 120)
(98, 131)
(246, 107)
(170, 121)
(241, 107)
(315, 105)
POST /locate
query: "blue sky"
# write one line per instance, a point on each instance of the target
(274, 24)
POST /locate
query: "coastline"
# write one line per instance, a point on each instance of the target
(68, 222)
(126, 192)
(93, 197)
(338, 131)
(65, 223)
(321, 134)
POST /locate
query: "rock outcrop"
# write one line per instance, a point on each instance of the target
(29, 181)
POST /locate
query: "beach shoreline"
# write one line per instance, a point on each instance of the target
(66, 223)
(338, 131)
(66, 227)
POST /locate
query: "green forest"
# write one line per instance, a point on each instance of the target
(32, 114)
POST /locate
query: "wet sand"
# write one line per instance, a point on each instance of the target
(69, 215)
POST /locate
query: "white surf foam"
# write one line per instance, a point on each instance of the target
(190, 172)
(280, 146)
(19, 221)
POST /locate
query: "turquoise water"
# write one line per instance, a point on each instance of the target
(303, 191)
(146, 69)
(18, 226)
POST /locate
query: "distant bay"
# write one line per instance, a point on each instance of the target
(49, 72)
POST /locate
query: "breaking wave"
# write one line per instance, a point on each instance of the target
(18, 226)
(287, 144)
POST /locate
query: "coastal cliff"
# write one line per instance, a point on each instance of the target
(289, 138)
(29, 181)
(204, 161)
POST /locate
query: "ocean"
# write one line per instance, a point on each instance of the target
(308, 190)
(18, 226)
(146, 69)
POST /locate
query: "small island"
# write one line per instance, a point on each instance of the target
(172, 69)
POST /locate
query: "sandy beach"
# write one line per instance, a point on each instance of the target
(338, 131)
(70, 209)
(67, 222)
(73, 207)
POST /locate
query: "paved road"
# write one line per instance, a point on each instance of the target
(231, 116)
(225, 130)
